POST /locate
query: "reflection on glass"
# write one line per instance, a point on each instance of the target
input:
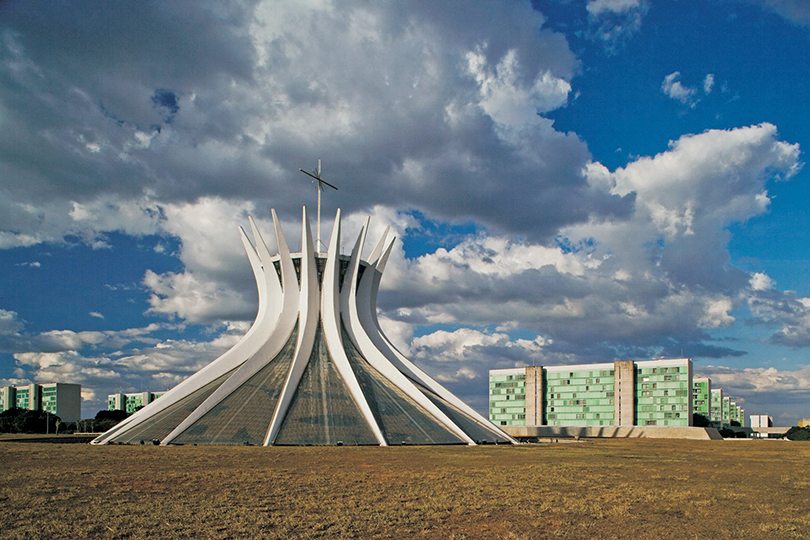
(244, 416)
(322, 411)
(162, 423)
(401, 419)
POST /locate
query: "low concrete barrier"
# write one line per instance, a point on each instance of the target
(643, 432)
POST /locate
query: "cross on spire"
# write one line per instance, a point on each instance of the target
(316, 174)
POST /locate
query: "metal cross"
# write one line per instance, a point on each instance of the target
(316, 174)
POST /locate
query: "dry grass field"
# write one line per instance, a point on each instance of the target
(591, 489)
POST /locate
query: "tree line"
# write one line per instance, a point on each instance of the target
(25, 421)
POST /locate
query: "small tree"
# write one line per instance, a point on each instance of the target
(8, 418)
(35, 422)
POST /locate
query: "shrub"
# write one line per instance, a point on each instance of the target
(698, 420)
(798, 434)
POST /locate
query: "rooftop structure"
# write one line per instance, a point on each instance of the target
(761, 421)
(314, 368)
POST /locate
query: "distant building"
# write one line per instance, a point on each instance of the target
(738, 414)
(804, 422)
(702, 396)
(624, 393)
(717, 406)
(131, 402)
(761, 421)
(62, 399)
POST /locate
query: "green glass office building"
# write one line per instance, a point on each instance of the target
(61, 399)
(131, 402)
(702, 396)
(624, 393)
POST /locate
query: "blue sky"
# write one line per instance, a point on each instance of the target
(570, 181)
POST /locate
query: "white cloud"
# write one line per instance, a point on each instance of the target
(761, 282)
(96, 314)
(708, 83)
(710, 179)
(627, 287)
(428, 134)
(613, 22)
(508, 102)
(9, 322)
(416, 110)
(763, 390)
(674, 89)
(467, 354)
(136, 359)
(716, 313)
(598, 7)
(192, 299)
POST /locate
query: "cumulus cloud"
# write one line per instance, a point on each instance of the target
(505, 100)
(784, 311)
(9, 322)
(763, 390)
(613, 22)
(421, 112)
(125, 360)
(761, 282)
(235, 118)
(208, 122)
(650, 285)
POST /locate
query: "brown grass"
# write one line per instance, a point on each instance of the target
(593, 489)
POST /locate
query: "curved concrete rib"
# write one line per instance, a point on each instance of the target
(244, 348)
(274, 330)
(367, 318)
(349, 300)
(274, 302)
(330, 312)
(308, 308)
